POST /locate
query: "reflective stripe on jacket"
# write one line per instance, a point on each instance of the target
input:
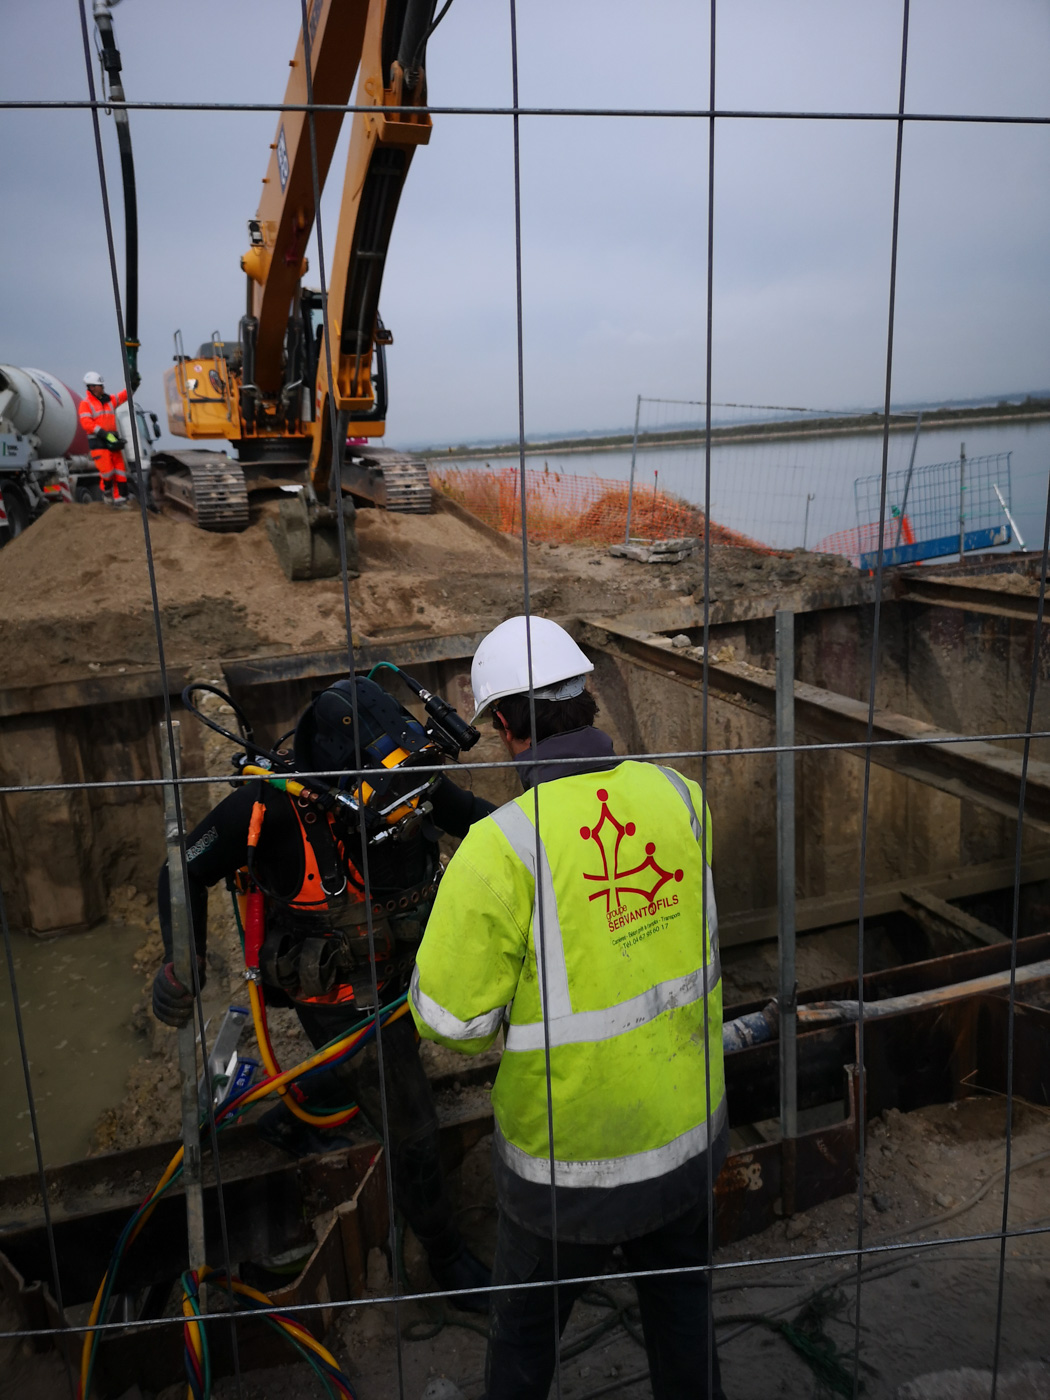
(613, 899)
(96, 416)
(109, 465)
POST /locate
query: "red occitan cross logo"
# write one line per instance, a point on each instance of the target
(608, 831)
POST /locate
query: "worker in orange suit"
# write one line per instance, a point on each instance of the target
(98, 418)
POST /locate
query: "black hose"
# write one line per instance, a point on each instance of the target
(110, 56)
(416, 29)
(246, 735)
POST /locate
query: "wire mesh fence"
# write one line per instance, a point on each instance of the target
(778, 475)
(945, 508)
(782, 478)
(733, 492)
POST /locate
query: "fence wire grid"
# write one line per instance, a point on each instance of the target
(944, 508)
(717, 468)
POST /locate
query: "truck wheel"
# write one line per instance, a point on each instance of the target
(18, 516)
(86, 492)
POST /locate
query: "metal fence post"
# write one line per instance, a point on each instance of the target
(962, 497)
(634, 454)
(785, 738)
(907, 479)
(184, 957)
(810, 496)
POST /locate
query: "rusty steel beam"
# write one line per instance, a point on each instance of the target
(135, 683)
(144, 682)
(970, 769)
(406, 650)
(841, 906)
(969, 594)
(938, 916)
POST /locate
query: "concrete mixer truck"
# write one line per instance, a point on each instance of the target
(43, 449)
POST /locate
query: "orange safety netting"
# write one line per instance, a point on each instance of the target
(864, 539)
(565, 509)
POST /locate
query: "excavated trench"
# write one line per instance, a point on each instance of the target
(954, 656)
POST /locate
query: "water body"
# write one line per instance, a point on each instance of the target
(76, 996)
(761, 488)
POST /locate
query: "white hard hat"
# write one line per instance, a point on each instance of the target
(92, 377)
(501, 663)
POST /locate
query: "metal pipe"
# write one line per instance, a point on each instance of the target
(761, 1026)
(1009, 518)
(785, 727)
(184, 956)
(826, 1012)
(634, 454)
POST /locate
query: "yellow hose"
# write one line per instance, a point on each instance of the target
(322, 1120)
(283, 1078)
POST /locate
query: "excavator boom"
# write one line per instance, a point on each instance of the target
(308, 371)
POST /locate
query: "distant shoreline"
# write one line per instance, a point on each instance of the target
(1032, 410)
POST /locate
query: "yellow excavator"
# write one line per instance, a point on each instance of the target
(270, 394)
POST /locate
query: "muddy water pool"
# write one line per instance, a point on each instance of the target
(76, 996)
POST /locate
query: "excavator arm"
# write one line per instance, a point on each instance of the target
(382, 143)
(278, 392)
(384, 41)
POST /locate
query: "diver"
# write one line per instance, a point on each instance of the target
(307, 863)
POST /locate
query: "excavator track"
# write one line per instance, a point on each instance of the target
(209, 486)
(389, 479)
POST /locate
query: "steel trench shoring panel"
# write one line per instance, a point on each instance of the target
(932, 1055)
(924, 976)
(970, 595)
(840, 907)
(271, 1206)
(970, 769)
(147, 682)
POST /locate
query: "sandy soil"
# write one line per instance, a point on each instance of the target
(77, 598)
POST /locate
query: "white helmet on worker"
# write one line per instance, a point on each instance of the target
(501, 663)
(92, 377)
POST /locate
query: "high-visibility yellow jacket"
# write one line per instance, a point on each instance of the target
(600, 925)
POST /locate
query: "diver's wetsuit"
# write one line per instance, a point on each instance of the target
(218, 847)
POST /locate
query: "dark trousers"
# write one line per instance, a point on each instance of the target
(674, 1308)
(415, 1161)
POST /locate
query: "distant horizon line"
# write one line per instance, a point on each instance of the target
(551, 437)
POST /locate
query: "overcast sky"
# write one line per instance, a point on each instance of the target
(613, 210)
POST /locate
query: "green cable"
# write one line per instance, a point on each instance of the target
(287, 1336)
(363, 1024)
(437, 1312)
(193, 1300)
(389, 665)
(112, 1278)
(155, 1196)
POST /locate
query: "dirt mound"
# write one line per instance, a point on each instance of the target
(428, 543)
(76, 593)
(76, 597)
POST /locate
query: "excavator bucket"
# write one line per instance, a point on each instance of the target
(307, 542)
